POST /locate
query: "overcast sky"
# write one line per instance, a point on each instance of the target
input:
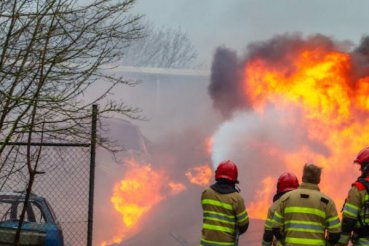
(236, 23)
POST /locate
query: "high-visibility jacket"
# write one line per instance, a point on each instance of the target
(352, 210)
(268, 225)
(305, 215)
(222, 215)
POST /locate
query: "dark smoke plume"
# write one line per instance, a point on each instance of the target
(226, 85)
(280, 48)
(360, 59)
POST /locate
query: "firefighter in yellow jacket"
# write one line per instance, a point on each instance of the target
(355, 213)
(224, 212)
(305, 216)
(286, 183)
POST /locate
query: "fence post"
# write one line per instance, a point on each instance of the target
(92, 176)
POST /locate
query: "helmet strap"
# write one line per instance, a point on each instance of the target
(237, 188)
(365, 167)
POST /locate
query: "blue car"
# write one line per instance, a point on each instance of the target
(40, 227)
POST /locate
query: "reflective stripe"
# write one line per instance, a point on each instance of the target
(304, 210)
(333, 222)
(345, 212)
(304, 226)
(363, 213)
(217, 203)
(241, 217)
(351, 210)
(218, 228)
(296, 240)
(268, 223)
(362, 242)
(214, 243)
(218, 217)
(366, 221)
(232, 217)
(278, 218)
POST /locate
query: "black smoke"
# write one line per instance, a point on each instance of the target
(226, 86)
(279, 49)
(360, 59)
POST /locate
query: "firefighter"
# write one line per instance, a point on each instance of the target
(224, 213)
(305, 215)
(286, 182)
(355, 212)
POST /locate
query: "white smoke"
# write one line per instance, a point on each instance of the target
(238, 128)
(255, 141)
(238, 135)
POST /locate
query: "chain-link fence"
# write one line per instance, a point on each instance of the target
(62, 180)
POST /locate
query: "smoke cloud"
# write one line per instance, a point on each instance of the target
(360, 59)
(226, 86)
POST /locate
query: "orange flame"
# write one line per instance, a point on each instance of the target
(176, 188)
(199, 175)
(137, 193)
(259, 208)
(320, 86)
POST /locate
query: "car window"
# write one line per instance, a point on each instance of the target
(11, 210)
(5, 211)
(52, 212)
(38, 214)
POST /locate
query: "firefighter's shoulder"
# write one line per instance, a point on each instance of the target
(355, 194)
(206, 191)
(235, 196)
(285, 196)
(274, 206)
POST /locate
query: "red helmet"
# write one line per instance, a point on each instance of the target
(286, 182)
(227, 170)
(363, 159)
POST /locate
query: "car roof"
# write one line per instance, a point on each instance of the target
(20, 195)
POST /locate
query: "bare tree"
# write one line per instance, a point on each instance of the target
(161, 47)
(51, 53)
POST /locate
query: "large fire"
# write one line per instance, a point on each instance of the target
(320, 86)
(141, 188)
(320, 99)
